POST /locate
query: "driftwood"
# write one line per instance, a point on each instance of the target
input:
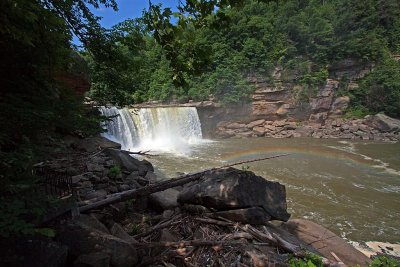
(173, 221)
(212, 221)
(140, 153)
(266, 238)
(248, 235)
(190, 243)
(161, 186)
(276, 240)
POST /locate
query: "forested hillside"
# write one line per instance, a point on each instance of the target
(250, 39)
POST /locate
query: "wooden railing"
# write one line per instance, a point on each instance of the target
(54, 183)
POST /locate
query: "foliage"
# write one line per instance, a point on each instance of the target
(17, 216)
(114, 171)
(356, 112)
(245, 167)
(212, 47)
(380, 90)
(37, 107)
(136, 229)
(310, 260)
(129, 204)
(382, 261)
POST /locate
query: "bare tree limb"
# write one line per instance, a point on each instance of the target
(197, 242)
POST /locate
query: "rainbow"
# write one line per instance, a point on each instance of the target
(326, 152)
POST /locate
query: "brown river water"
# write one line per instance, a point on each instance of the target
(350, 187)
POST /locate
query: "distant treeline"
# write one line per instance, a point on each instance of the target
(251, 39)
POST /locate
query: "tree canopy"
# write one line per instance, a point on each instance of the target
(188, 54)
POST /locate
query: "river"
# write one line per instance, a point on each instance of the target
(350, 187)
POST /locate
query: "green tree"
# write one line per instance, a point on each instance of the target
(380, 90)
(36, 106)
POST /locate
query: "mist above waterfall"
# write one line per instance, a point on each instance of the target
(167, 129)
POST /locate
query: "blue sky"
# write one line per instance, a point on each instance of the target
(127, 9)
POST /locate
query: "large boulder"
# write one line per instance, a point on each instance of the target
(118, 231)
(126, 161)
(234, 189)
(81, 238)
(383, 123)
(325, 242)
(164, 200)
(92, 222)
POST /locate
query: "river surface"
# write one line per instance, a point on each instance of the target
(352, 188)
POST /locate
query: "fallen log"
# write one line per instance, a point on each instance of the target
(161, 186)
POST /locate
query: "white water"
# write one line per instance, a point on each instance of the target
(120, 128)
(172, 129)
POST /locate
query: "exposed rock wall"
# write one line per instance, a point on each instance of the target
(276, 99)
(378, 127)
(275, 110)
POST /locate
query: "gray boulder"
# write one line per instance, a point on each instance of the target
(126, 161)
(81, 238)
(118, 231)
(164, 200)
(92, 222)
(151, 177)
(383, 123)
(234, 189)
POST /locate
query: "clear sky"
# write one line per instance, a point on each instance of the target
(127, 9)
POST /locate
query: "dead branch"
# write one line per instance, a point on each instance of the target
(212, 221)
(274, 239)
(157, 227)
(238, 235)
(141, 153)
(190, 243)
(252, 160)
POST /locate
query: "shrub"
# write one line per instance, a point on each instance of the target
(114, 171)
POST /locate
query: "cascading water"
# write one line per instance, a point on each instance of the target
(120, 127)
(170, 129)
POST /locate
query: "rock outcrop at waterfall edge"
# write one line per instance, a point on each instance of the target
(231, 189)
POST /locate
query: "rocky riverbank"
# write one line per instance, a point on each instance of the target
(225, 217)
(379, 127)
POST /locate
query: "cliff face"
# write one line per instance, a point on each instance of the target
(277, 110)
(274, 100)
(278, 98)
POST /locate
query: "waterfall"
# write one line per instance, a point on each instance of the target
(120, 128)
(168, 129)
